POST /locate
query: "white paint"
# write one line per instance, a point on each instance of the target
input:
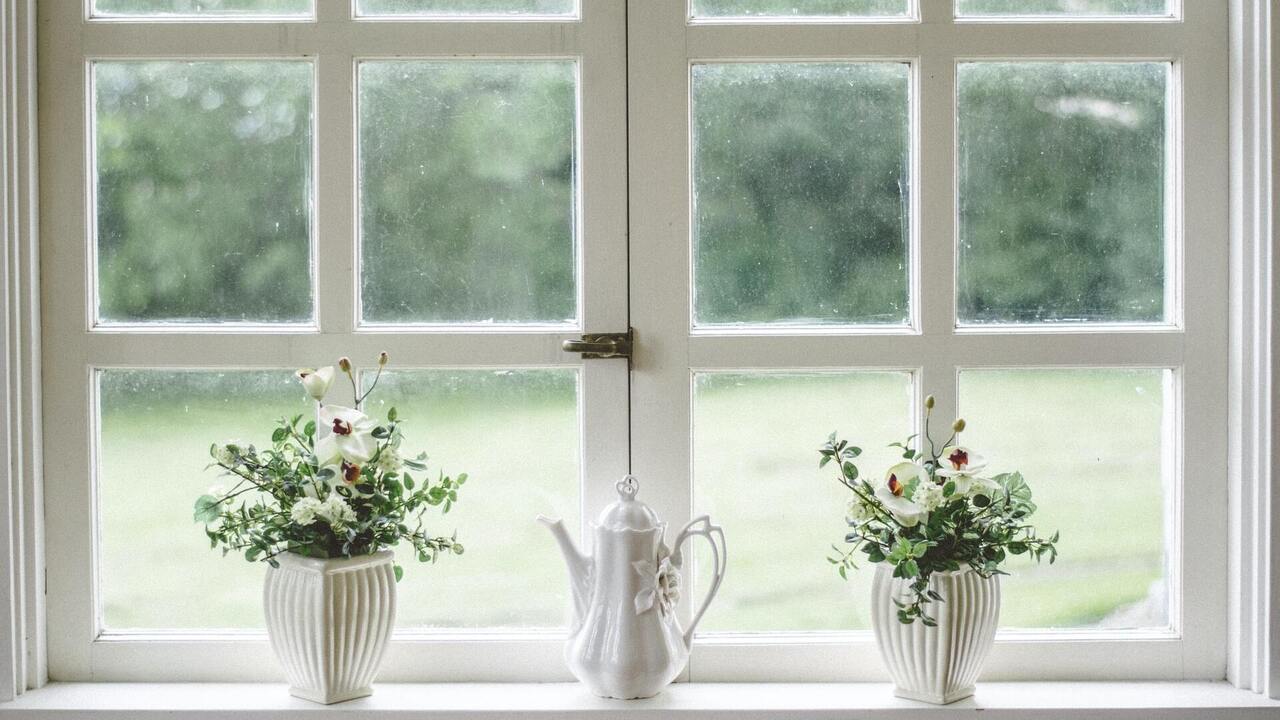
(329, 622)
(22, 628)
(1254, 590)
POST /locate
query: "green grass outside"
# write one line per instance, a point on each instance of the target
(1088, 442)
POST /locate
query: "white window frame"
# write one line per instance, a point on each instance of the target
(664, 43)
(1253, 641)
(335, 41)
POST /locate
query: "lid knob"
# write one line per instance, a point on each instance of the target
(628, 487)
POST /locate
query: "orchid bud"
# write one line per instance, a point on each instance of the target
(928, 402)
(958, 425)
(383, 357)
(344, 363)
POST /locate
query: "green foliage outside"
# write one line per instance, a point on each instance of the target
(801, 203)
(203, 203)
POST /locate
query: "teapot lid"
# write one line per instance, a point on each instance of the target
(628, 513)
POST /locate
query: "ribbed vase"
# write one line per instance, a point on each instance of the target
(936, 664)
(329, 622)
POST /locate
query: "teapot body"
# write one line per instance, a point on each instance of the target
(628, 644)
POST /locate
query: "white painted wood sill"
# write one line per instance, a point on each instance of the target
(757, 701)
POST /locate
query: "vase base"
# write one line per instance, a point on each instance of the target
(317, 696)
(934, 698)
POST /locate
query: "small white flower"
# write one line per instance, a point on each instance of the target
(316, 382)
(929, 496)
(224, 454)
(390, 461)
(858, 512)
(348, 435)
(336, 511)
(304, 511)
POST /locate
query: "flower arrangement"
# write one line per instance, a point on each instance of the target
(332, 487)
(934, 512)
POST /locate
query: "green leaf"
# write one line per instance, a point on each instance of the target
(850, 470)
(279, 434)
(309, 429)
(391, 414)
(399, 571)
(206, 509)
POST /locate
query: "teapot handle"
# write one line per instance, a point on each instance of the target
(715, 536)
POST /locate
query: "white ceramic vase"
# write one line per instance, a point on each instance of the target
(329, 622)
(936, 664)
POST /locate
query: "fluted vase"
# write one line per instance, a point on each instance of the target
(329, 622)
(938, 664)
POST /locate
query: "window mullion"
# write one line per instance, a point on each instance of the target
(334, 213)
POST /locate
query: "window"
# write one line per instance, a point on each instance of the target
(812, 213)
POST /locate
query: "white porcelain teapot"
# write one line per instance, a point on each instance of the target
(624, 638)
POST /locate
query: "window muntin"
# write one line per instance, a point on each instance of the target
(801, 193)
(468, 191)
(203, 191)
(1062, 172)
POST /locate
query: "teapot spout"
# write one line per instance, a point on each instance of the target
(579, 569)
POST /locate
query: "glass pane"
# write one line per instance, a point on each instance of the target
(514, 8)
(156, 569)
(800, 180)
(755, 465)
(515, 432)
(1062, 192)
(799, 8)
(203, 191)
(468, 191)
(1104, 487)
(192, 9)
(1063, 7)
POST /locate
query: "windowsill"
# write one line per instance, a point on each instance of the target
(694, 700)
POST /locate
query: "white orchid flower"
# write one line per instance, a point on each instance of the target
(957, 460)
(348, 435)
(316, 382)
(895, 496)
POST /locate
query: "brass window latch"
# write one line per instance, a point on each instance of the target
(596, 346)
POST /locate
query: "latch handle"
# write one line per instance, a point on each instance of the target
(601, 345)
